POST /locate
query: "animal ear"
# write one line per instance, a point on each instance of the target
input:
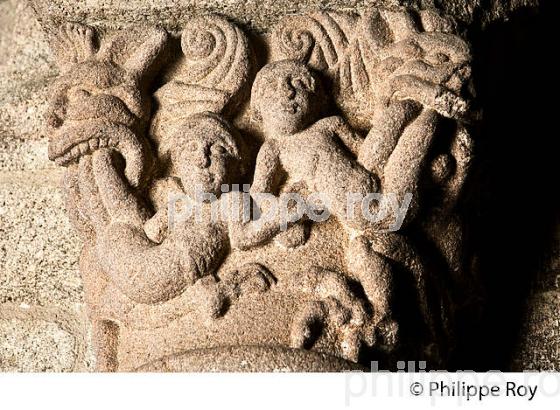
(143, 58)
(135, 49)
(73, 43)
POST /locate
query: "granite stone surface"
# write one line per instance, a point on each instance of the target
(91, 278)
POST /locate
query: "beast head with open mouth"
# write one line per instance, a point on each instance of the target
(433, 69)
(99, 101)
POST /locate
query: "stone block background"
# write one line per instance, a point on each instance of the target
(42, 319)
(43, 325)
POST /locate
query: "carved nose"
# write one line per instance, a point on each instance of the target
(202, 159)
(288, 89)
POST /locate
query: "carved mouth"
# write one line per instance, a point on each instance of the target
(458, 77)
(206, 181)
(84, 148)
(291, 108)
(71, 142)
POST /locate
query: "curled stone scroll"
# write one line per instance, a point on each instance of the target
(213, 71)
(196, 250)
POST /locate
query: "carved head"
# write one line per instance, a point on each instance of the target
(286, 97)
(205, 152)
(99, 100)
(435, 57)
(431, 68)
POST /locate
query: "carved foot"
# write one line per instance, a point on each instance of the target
(77, 41)
(251, 278)
(336, 307)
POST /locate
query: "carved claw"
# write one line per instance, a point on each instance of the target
(434, 96)
(74, 43)
(212, 298)
(307, 325)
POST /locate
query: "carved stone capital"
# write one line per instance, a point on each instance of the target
(245, 209)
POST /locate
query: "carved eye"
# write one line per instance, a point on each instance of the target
(218, 149)
(192, 146)
(299, 83)
(303, 83)
(438, 58)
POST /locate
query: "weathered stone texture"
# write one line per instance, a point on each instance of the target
(25, 69)
(34, 346)
(40, 288)
(38, 251)
(34, 338)
(42, 320)
(540, 345)
(38, 254)
(259, 15)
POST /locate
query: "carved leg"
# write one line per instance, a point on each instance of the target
(105, 341)
(375, 274)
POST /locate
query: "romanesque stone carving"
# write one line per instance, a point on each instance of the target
(280, 255)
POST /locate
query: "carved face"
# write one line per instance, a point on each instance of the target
(438, 58)
(285, 95)
(99, 101)
(205, 164)
(208, 155)
(92, 91)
